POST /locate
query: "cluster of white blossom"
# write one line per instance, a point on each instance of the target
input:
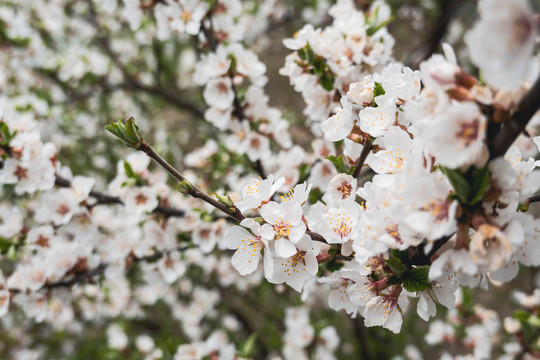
(326, 61)
(403, 194)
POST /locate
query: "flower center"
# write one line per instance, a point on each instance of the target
(343, 230)
(468, 131)
(297, 258)
(282, 227)
(345, 189)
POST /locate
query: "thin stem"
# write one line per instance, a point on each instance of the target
(191, 189)
(196, 192)
(104, 199)
(88, 274)
(363, 156)
(534, 198)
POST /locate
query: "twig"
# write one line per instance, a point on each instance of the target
(104, 199)
(512, 127)
(534, 198)
(363, 156)
(194, 191)
(191, 189)
(87, 274)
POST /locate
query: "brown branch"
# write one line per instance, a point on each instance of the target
(189, 188)
(194, 191)
(100, 269)
(104, 199)
(363, 156)
(515, 125)
(534, 198)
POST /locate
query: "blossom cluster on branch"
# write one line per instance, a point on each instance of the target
(417, 183)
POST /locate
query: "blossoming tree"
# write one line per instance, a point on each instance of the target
(215, 230)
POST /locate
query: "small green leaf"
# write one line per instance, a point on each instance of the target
(522, 315)
(248, 345)
(127, 131)
(480, 180)
(459, 183)
(327, 82)
(378, 90)
(129, 170)
(374, 28)
(339, 163)
(397, 266)
(334, 265)
(225, 200)
(417, 279)
(534, 321)
(185, 187)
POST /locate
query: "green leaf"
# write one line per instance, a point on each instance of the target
(480, 181)
(248, 345)
(225, 200)
(417, 279)
(327, 82)
(378, 90)
(129, 170)
(339, 163)
(5, 245)
(127, 131)
(334, 265)
(374, 28)
(534, 321)
(522, 315)
(401, 255)
(397, 266)
(459, 183)
(185, 187)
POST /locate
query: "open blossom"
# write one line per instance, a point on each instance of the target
(340, 222)
(11, 221)
(342, 187)
(396, 144)
(339, 125)
(503, 41)
(376, 120)
(383, 311)
(283, 221)
(257, 192)
(295, 270)
(249, 246)
(57, 207)
(361, 93)
(490, 248)
(456, 137)
(218, 93)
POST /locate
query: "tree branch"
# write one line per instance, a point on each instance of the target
(104, 199)
(512, 127)
(194, 191)
(363, 156)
